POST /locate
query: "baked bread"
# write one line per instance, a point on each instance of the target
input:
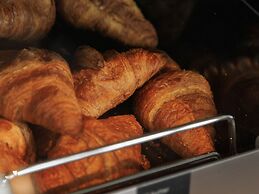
(103, 84)
(175, 98)
(118, 19)
(26, 20)
(36, 86)
(16, 146)
(45, 140)
(97, 169)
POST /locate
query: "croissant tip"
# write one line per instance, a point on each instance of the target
(76, 129)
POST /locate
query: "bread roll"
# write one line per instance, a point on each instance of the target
(103, 85)
(17, 147)
(118, 19)
(36, 86)
(97, 169)
(26, 20)
(176, 98)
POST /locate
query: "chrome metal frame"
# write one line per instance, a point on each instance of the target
(198, 159)
(145, 138)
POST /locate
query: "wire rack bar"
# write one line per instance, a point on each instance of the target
(144, 138)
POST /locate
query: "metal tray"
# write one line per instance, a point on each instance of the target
(144, 176)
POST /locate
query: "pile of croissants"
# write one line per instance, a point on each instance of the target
(39, 88)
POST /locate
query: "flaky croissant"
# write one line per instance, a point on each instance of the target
(26, 20)
(16, 146)
(119, 19)
(102, 85)
(97, 169)
(45, 140)
(37, 86)
(176, 98)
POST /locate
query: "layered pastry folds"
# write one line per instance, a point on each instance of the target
(16, 146)
(26, 20)
(103, 84)
(174, 98)
(36, 86)
(118, 19)
(97, 169)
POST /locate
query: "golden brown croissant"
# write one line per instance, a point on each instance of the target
(96, 169)
(37, 87)
(110, 82)
(26, 20)
(88, 57)
(16, 146)
(45, 140)
(119, 19)
(176, 98)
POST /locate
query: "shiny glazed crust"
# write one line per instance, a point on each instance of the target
(103, 87)
(37, 87)
(119, 19)
(16, 146)
(26, 20)
(176, 98)
(96, 169)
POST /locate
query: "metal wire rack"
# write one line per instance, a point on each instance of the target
(144, 138)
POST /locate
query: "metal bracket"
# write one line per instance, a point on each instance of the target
(145, 138)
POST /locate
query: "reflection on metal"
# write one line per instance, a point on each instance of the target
(145, 138)
(178, 164)
(250, 7)
(4, 186)
(257, 142)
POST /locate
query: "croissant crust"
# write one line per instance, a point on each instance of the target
(176, 98)
(119, 19)
(104, 86)
(26, 20)
(96, 169)
(37, 87)
(16, 146)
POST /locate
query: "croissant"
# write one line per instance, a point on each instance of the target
(175, 98)
(97, 169)
(45, 140)
(103, 85)
(26, 20)
(16, 146)
(118, 19)
(37, 87)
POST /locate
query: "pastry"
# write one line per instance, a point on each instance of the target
(16, 146)
(103, 85)
(97, 169)
(36, 86)
(26, 20)
(176, 98)
(118, 19)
